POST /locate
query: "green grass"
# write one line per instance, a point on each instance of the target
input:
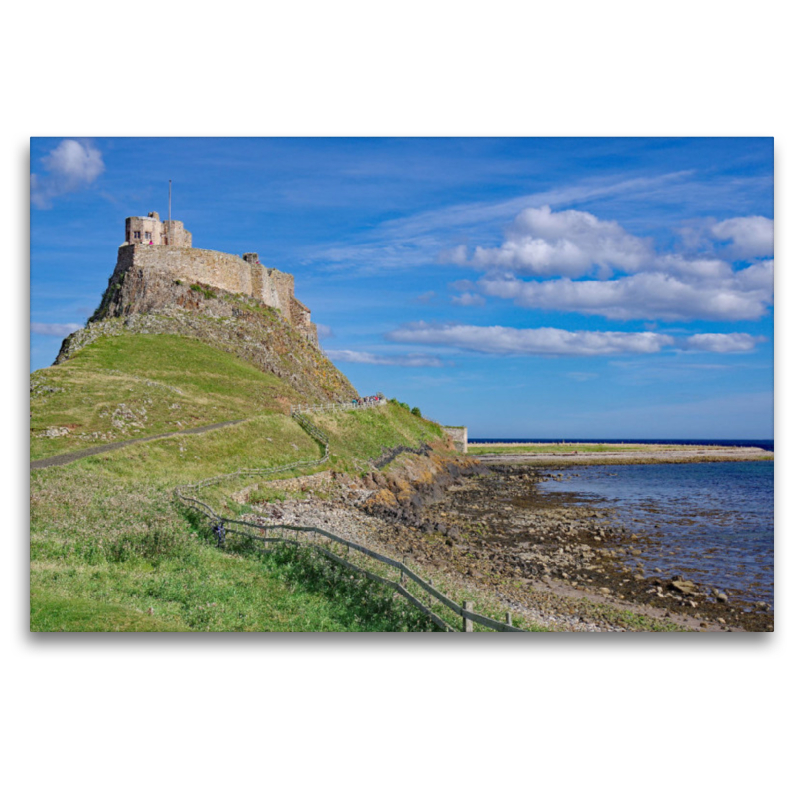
(357, 437)
(52, 612)
(119, 555)
(128, 386)
(111, 550)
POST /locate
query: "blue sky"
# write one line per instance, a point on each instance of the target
(575, 288)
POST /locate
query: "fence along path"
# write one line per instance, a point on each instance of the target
(362, 404)
(316, 539)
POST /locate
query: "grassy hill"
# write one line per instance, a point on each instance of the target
(133, 385)
(110, 549)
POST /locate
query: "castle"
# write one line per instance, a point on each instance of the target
(163, 250)
(151, 230)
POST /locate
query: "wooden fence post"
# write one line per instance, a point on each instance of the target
(467, 622)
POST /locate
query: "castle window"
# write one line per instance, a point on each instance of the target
(137, 235)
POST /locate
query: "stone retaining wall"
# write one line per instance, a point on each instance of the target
(459, 437)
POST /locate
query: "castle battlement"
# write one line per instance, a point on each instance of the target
(152, 231)
(163, 250)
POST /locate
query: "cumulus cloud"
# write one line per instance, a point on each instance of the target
(722, 342)
(54, 329)
(758, 276)
(324, 331)
(499, 340)
(743, 295)
(588, 254)
(70, 166)
(360, 357)
(750, 237)
(468, 299)
(545, 242)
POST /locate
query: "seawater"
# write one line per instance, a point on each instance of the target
(713, 523)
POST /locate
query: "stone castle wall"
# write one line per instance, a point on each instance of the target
(224, 271)
(192, 265)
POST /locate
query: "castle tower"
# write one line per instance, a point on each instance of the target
(151, 230)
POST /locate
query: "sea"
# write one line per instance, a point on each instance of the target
(710, 522)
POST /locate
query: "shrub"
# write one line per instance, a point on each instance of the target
(209, 294)
(416, 412)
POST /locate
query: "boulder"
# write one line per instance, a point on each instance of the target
(684, 587)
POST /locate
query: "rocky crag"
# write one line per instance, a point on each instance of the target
(234, 324)
(231, 303)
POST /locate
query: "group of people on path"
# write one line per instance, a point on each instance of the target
(370, 400)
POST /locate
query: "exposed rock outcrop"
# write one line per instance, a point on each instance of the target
(243, 326)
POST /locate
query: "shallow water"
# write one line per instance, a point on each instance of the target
(711, 522)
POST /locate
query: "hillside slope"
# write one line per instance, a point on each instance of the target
(235, 324)
(111, 550)
(125, 385)
(110, 547)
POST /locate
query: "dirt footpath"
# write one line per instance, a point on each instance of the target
(68, 458)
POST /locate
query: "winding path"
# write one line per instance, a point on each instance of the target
(67, 458)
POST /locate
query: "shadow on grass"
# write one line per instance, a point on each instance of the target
(354, 598)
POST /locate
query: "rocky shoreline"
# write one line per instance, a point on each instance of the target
(561, 562)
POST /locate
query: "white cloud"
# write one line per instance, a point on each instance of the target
(499, 340)
(722, 342)
(360, 357)
(415, 240)
(692, 268)
(751, 237)
(468, 299)
(758, 276)
(573, 244)
(54, 329)
(744, 295)
(69, 167)
(324, 331)
(546, 242)
(530, 341)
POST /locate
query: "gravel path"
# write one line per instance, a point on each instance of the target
(68, 458)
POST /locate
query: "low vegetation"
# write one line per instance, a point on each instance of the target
(111, 550)
(129, 386)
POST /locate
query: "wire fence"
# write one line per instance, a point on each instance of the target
(351, 555)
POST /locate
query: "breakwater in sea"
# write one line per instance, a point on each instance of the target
(764, 444)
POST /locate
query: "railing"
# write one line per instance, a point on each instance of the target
(316, 538)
